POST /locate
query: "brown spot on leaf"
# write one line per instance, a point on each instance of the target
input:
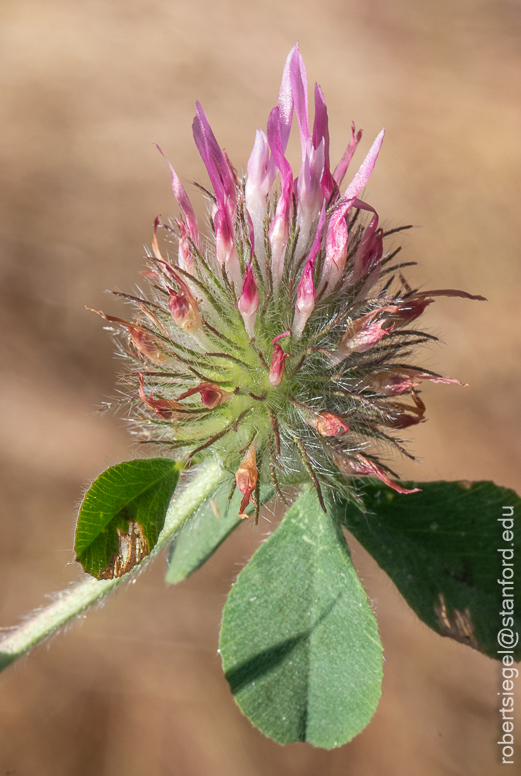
(133, 547)
(466, 484)
(458, 627)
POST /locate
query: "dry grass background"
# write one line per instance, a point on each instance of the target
(87, 88)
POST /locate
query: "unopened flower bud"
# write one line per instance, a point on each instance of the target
(327, 424)
(249, 299)
(184, 308)
(141, 339)
(164, 408)
(246, 479)
(278, 361)
(211, 395)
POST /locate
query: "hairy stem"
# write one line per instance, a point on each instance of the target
(71, 602)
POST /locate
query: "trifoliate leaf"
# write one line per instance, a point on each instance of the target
(445, 549)
(299, 642)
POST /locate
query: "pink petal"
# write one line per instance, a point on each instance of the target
(261, 174)
(370, 251)
(184, 203)
(337, 234)
(285, 101)
(299, 89)
(249, 300)
(279, 227)
(305, 290)
(321, 132)
(214, 159)
(343, 164)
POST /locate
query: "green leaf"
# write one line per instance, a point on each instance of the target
(122, 515)
(299, 642)
(203, 534)
(442, 549)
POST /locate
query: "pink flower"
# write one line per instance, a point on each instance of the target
(289, 251)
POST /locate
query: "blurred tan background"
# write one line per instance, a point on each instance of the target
(86, 89)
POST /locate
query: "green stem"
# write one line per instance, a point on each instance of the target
(71, 602)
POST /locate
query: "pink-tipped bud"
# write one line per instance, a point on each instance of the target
(261, 174)
(305, 299)
(249, 300)
(370, 250)
(211, 395)
(225, 250)
(278, 238)
(164, 408)
(327, 424)
(306, 289)
(343, 164)
(183, 306)
(246, 479)
(309, 191)
(337, 233)
(278, 359)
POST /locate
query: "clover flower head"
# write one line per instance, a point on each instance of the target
(284, 340)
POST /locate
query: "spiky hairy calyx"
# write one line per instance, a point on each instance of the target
(284, 347)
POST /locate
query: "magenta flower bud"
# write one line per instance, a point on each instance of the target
(249, 299)
(278, 359)
(309, 190)
(261, 175)
(211, 395)
(369, 253)
(188, 230)
(305, 303)
(337, 233)
(279, 228)
(305, 299)
(321, 134)
(341, 168)
(183, 305)
(223, 182)
(163, 408)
